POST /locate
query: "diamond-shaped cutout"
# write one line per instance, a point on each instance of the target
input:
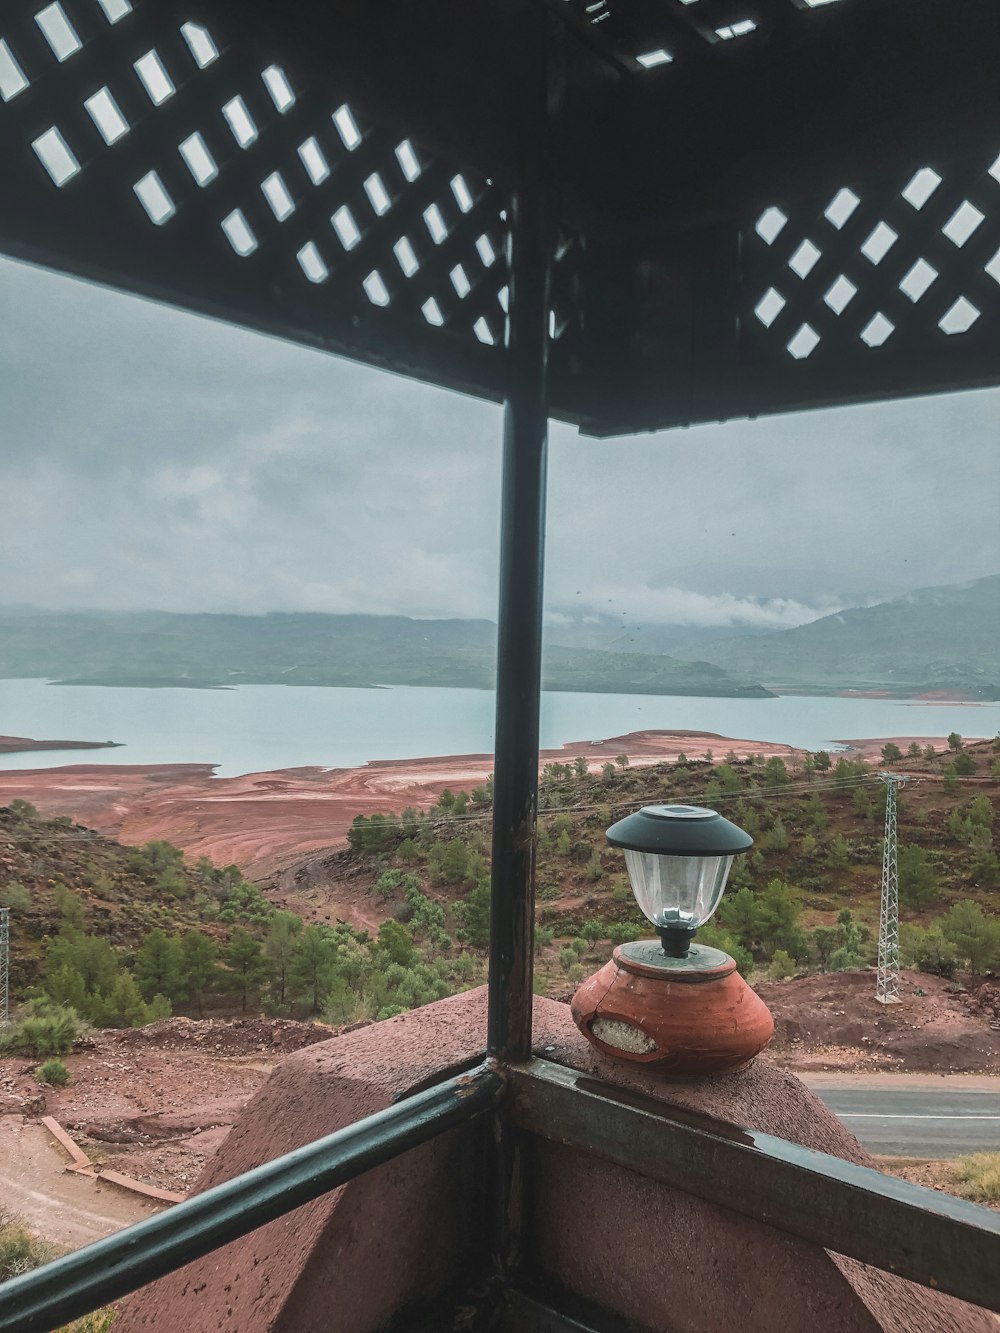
(316, 166)
(483, 331)
(409, 163)
(276, 83)
(460, 281)
(921, 187)
(462, 193)
(959, 318)
(804, 342)
(962, 223)
(58, 31)
(770, 224)
(406, 256)
(769, 307)
(347, 127)
(918, 278)
(13, 79)
(993, 267)
(378, 195)
(312, 264)
(432, 312)
(877, 330)
(199, 160)
(239, 234)
(240, 122)
(803, 261)
(840, 292)
(277, 195)
(154, 78)
(154, 198)
(994, 170)
(840, 207)
(56, 156)
(199, 40)
(106, 114)
(375, 289)
(879, 242)
(346, 228)
(435, 224)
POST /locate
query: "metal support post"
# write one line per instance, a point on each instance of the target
(519, 646)
(887, 985)
(4, 966)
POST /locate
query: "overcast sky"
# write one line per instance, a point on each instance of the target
(152, 459)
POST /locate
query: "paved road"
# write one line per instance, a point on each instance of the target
(918, 1122)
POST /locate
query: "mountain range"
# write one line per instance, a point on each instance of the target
(155, 648)
(944, 639)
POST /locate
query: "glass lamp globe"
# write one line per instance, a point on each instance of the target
(678, 859)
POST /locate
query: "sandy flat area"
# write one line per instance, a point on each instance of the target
(65, 1208)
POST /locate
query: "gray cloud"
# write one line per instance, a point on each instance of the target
(153, 459)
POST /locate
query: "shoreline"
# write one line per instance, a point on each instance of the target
(22, 745)
(267, 821)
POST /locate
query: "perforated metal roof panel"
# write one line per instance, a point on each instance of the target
(760, 206)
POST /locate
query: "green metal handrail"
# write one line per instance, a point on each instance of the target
(89, 1278)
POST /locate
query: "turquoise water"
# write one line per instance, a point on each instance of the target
(258, 727)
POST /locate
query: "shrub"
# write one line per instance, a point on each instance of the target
(54, 1072)
(20, 1251)
(16, 896)
(782, 965)
(980, 1174)
(46, 1029)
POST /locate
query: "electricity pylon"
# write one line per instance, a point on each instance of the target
(887, 986)
(4, 965)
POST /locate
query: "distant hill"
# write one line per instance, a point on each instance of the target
(945, 638)
(610, 634)
(152, 648)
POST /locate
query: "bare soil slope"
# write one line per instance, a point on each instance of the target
(833, 1021)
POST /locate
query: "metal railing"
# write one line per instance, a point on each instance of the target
(928, 1237)
(91, 1277)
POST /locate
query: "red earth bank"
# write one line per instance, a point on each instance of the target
(264, 822)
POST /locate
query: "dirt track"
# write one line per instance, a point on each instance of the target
(64, 1208)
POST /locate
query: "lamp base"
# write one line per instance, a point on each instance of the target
(693, 1015)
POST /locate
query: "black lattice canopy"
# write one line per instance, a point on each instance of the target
(759, 206)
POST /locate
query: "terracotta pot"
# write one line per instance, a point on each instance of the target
(693, 1015)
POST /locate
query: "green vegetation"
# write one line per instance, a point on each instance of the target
(21, 1251)
(75, 967)
(54, 1072)
(113, 936)
(978, 1177)
(42, 1028)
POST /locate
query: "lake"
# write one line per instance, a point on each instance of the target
(259, 727)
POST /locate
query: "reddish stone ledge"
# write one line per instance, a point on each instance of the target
(406, 1232)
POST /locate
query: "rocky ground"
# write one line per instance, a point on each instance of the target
(833, 1021)
(154, 1103)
